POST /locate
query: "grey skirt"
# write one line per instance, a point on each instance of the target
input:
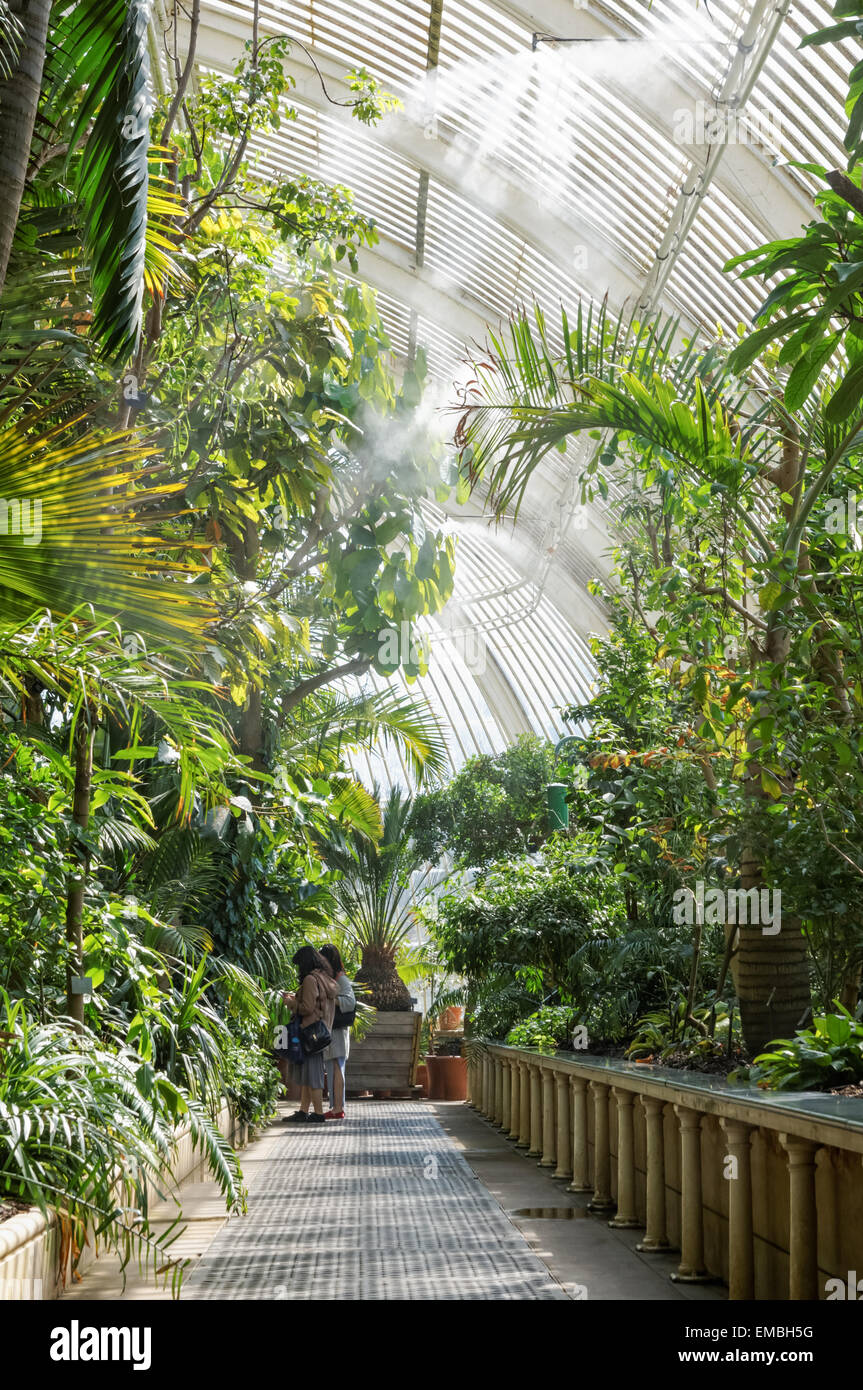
(310, 1072)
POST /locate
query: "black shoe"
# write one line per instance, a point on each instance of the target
(314, 1118)
(299, 1117)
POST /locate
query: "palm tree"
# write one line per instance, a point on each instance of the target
(687, 420)
(100, 48)
(23, 35)
(381, 884)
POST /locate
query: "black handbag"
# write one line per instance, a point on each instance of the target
(345, 1018)
(315, 1037)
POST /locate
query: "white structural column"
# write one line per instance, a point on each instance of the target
(515, 1101)
(626, 1217)
(741, 1265)
(602, 1199)
(535, 1150)
(691, 1268)
(803, 1222)
(829, 1215)
(507, 1096)
(580, 1156)
(524, 1101)
(498, 1092)
(656, 1234)
(753, 49)
(548, 1159)
(564, 1128)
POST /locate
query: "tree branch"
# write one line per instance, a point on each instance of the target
(357, 667)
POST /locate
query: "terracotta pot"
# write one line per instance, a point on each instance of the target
(423, 1078)
(451, 1019)
(447, 1078)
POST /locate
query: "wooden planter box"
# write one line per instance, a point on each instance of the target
(386, 1058)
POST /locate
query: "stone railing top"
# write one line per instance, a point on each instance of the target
(846, 1111)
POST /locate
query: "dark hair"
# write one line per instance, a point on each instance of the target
(332, 956)
(307, 959)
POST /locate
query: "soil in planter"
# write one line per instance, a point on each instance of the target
(719, 1065)
(856, 1089)
(12, 1206)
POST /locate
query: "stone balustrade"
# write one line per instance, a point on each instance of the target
(761, 1191)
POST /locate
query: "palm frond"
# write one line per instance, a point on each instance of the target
(355, 806)
(624, 376)
(343, 722)
(74, 530)
(104, 49)
(11, 34)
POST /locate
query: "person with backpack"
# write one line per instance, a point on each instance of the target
(314, 1006)
(336, 1055)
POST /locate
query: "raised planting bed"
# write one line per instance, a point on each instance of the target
(760, 1190)
(35, 1256)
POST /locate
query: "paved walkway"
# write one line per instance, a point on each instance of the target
(383, 1206)
(405, 1200)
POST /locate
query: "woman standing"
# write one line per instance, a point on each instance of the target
(336, 1055)
(315, 999)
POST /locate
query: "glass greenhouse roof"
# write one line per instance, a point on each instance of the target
(520, 169)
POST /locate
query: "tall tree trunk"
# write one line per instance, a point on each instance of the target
(245, 552)
(771, 970)
(19, 100)
(85, 734)
(850, 989)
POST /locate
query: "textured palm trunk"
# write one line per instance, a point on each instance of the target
(19, 101)
(385, 988)
(771, 969)
(84, 737)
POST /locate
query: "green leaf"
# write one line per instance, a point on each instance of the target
(806, 372)
(832, 34)
(769, 595)
(847, 395)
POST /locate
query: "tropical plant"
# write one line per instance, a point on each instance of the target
(250, 1082)
(548, 1030)
(380, 887)
(675, 1031)
(88, 1130)
(552, 927)
(227, 535)
(495, 805)
(78, 529)
(826, 1056)
(23, 37)
(720, 494)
